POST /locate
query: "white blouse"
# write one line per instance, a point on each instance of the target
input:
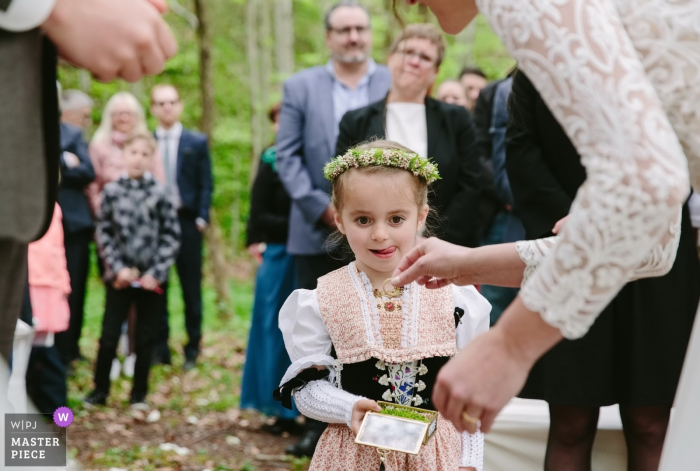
(407, 124)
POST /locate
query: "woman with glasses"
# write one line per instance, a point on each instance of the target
(433, 129)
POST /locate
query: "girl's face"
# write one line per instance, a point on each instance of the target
(380, 218)
(453, 15)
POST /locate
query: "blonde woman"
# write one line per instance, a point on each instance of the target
(122, 115)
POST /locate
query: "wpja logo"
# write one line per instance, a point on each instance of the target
(37, 439)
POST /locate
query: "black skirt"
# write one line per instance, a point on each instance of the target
(634, 352)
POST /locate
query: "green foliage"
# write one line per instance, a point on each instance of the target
(406, 413)
(231, 141)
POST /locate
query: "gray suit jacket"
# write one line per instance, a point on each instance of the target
(305, 143)
(29, 147)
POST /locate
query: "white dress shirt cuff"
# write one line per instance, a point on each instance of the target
(23, 15)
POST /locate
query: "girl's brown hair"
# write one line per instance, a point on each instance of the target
(338, 187)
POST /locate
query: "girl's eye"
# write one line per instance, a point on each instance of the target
(396, 220)
(362, 220)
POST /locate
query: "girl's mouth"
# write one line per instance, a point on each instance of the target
(384, 253)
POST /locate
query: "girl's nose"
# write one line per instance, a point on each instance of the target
(380, 233)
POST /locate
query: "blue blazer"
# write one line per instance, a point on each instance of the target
(305, 143)
(71, 192)
(194, 178)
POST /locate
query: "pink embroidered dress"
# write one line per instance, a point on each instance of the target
(381, 348)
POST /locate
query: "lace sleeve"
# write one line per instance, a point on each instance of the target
(582, 61)
(658, 262)
(322, 401)
(472, 450)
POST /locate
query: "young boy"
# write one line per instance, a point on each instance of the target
(138, 236)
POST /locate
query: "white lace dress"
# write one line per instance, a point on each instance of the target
(623, 79)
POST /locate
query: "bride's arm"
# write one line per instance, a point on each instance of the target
(579, 57)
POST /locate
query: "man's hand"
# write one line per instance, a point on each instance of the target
(359, 410)
(201, 224)
(126, 39)
(71, 159)
(124, 278)
(149, 283)
(328, 216)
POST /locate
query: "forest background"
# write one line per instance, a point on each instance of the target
(233, 57)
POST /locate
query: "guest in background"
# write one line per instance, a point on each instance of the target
(122, 115)
(314, 101)
(431, 128)
(189, 181)
(49, 287)
(76, 109)
(452, 92)
(473, 79)
(266, 357)
(633, 353)
(138, 236)
(76, 174)
(506, 226)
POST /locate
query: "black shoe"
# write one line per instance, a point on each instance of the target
(189, 365)
(281, 426)
(95, 398)
(162, 357)
(306, 444)
(138, 403)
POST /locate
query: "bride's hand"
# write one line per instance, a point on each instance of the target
(434, 263)
(487, 373)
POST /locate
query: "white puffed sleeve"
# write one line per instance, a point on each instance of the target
(476, 309)
(23, 15)
(305, 335)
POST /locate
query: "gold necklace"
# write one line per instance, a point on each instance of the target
(392, 294)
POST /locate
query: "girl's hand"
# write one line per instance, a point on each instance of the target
(149, 283)
(358, 413)
(467, 468)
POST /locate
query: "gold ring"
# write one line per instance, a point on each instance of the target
(384, 284)
(469, 418)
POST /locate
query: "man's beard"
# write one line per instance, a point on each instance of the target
(351, 59)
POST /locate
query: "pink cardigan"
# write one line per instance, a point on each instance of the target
(109, 166)
(47, 257)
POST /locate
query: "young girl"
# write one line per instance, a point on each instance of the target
(356, 339)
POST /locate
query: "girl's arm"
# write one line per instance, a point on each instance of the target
(322, 401)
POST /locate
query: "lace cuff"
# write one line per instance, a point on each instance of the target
(322, 401)
(472, 450)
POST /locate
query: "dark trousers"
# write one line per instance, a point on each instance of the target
(189, 269)
(13, 278)
(78, 262)
(46, 379)
(149, 307)
(309, 268)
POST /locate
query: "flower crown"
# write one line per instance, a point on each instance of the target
(419, 166)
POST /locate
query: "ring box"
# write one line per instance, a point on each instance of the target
(397, 428)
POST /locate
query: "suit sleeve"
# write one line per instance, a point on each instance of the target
(23, 15)
(539, 199)
(292, 166)
(206, 183)
(461, 211)
(81, 175)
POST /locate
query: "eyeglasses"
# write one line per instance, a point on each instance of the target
(166, 102)
(347, 30)
(424, 59)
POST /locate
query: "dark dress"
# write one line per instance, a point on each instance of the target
(266, 358)
(634, 352)
(451, 145)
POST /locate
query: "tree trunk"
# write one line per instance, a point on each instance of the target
(255, 76)
(284, 39)
(216, 248)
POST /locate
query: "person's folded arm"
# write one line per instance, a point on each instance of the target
(82, 174)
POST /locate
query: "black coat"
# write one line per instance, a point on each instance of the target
(195, 182)
(451, 145)
(71, 194)
(269, 207)
(634, 351)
